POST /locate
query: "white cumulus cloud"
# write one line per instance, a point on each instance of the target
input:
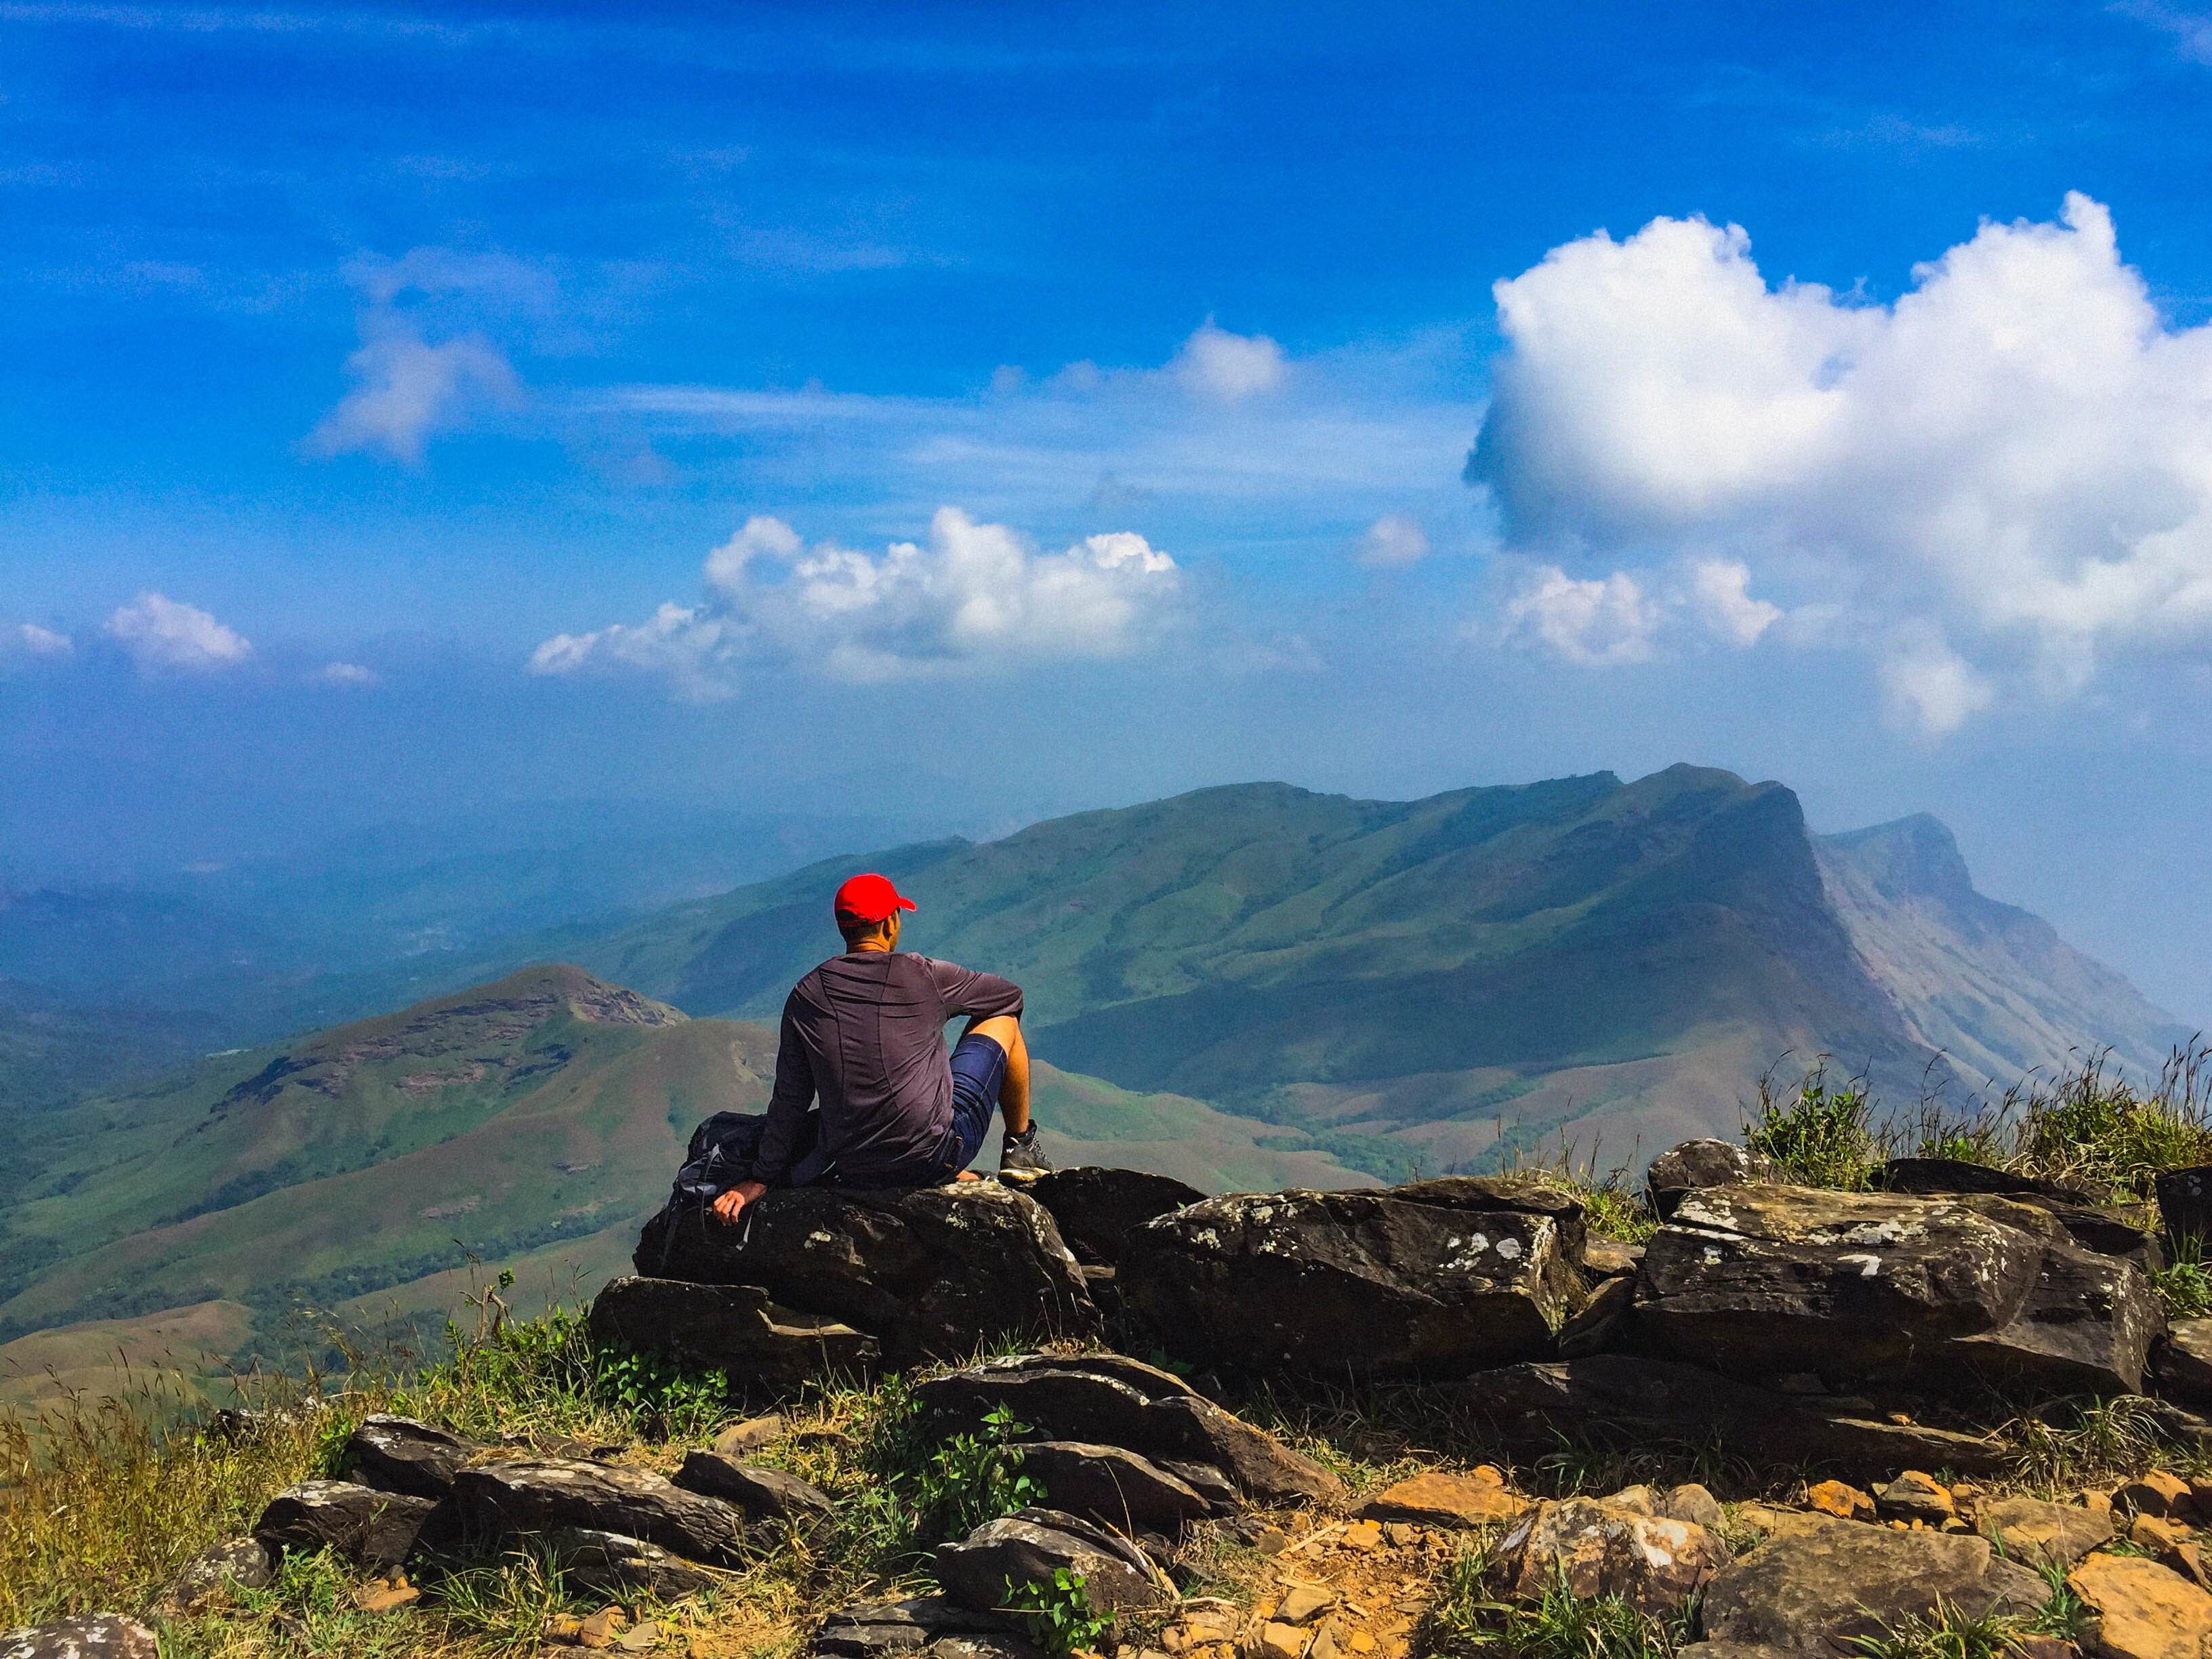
(346, 673)
(37, 642)
(974, 598)
(2015, 454)
(1216, 363)
(407, 390)
(161, 636)
(1394, 541)
(1598, 622)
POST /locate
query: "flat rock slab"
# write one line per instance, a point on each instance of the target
(93, 1636)
(2182, 1364)
(2042, 1533)
(1110, 1400)
(2140, 1610)
(1435, 1279)
(1118, 1488)
(1821, 1591)
(929, 1273)
(923, 1627)
(1632, 1401)
(614, 1566)
(1030, 1546)
(733, 1328)
(369, 1527)
(1596, 1548)
(2086, 1326)
(1762, 1281)
(1451, 1502)
(763, 1494)
(1096, 1207)
(397, 1454)
(533, 1495)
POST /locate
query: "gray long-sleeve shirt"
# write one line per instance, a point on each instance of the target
(865, 1031)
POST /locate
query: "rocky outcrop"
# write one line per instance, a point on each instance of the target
(1110, 1399)
(928, 1274)
(371, 1529)
(763, 1494)
(92, 1636)
(235, 1564)
(1096, 1207)
(1822, 1590)
(1632, 1400)
(731, 1328)
(536, 1495)
(1029, 1547)
(397, 1454)
(1113, 1486)
(2182, 1364)
(2042, 1533)
(1453, 1502)
(2138, 1609)
(1436, 1279)
(1596, 1548)
(1695, 1164)
(608, 1564)
(1763, 1281)
(2185, 1201)
(2086, 1326)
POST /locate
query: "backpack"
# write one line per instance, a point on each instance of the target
(722, 1154)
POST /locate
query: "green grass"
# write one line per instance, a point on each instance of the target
(1468, 1619)
(1818, 1133)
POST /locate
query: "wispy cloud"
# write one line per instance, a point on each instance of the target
(161, 635)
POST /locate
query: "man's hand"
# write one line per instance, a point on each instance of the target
(731, 1204)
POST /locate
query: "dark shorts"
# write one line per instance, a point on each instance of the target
(979, 1070)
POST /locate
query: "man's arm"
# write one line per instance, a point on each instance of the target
(977, 995)
(786, 1116)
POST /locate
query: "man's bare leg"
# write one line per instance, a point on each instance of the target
(1014, 1093)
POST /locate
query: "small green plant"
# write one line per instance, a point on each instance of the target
(2093, 1128)
(1818, 1134)
(977, 1477)
(2184, 1284)
(1948, 1633)
(1059, 1615)
(2072, 1445)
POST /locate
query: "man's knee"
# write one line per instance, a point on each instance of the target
(1002, 1029)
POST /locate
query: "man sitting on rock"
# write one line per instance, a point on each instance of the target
(866, 1032)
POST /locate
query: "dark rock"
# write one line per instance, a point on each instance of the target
(1927, 1177)
(1823, 1590)
(1852, 1287)
(1596, 1327)
(1598, 1547)
(610, 1564)
(929, 1272)
(1096, 1206)
(2185, 1200)
(93, 1636)
(1608, 1258)
(763, 1494)
(2182, 1364)
(397, 1454)
(2086, 1326)
(732, 1329)
(1127, 1492)
(1110, 1399)
(1102, 1285)
(926, 1627)
(533, 1495)
(1029, 1545)
(235, 1564)
(370, 1527)
(1436, 1279)
(1695, 1164)
(1635, 1401)
(1219, 1493)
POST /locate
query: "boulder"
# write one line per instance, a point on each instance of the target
(2043, 1534)
(532, 1495)
(1096, 1207)
(1916, 1495)
(1597, 1547)
(1695, 1165)
(1692, 1502)
(369, 1527)
(1601, 1322)
(1448, 1502)
(2185, 1201)
(1635, 1401)
(1110, 1400)
(234, 1564)
(751, 1434)
(763, 1494)
(925, 1628)
(1125, 1491)
(610, 1564)
(1761, 1282)
(1824, 1589)
(2181, 1366)
(2086, 1326)
(2138, 1609)
(1029, 1547)
(1608, 1258)
(732, 1329)
(1436, 1279)
(1931, 1177)
(397, 1454)
(929, 1272)
(91, 1636)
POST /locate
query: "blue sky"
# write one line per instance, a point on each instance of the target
(987, 411)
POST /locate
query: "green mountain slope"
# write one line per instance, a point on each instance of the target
(1400, 976)
(533, 1122)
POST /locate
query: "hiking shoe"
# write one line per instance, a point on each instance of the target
(1022, 1152)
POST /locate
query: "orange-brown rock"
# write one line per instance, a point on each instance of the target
(2140, 1610)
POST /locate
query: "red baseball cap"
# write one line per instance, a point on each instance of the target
(869, 898)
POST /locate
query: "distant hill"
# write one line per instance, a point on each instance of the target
(52, 1050)
(1412, 981)
(533, 1122)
